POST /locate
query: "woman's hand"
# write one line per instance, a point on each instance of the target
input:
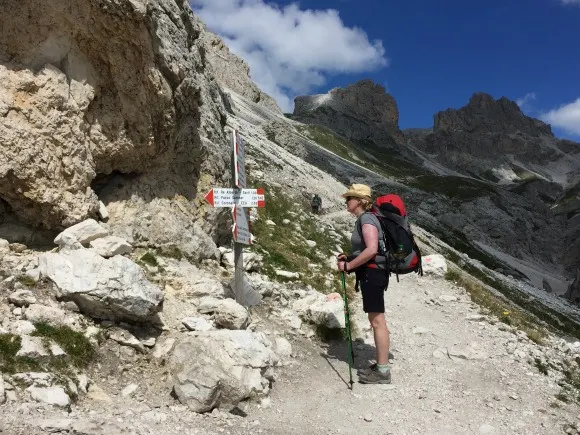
(341, 263)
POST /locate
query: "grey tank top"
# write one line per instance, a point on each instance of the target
(357, 241)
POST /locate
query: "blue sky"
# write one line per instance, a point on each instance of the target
(430, 55)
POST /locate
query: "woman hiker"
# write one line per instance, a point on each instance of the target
(370, 270)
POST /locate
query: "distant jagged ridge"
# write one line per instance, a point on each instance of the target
(360, 112)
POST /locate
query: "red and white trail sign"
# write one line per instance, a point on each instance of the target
(224, 197)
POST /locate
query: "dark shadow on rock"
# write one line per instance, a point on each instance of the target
(15, 231)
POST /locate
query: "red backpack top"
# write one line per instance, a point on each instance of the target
(395, 201)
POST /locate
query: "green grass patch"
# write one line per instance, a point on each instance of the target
(271, 136)
(9, 347)
(456, 188)
(383, 160)
(377, 158)
(506, 311)
(570, 194)
(489, 175)
(150, 259)
(284, 246)
(78, 348)
(570, 392)
(329, 140)
(452, 275)
(74, 343)
(171, 252)
(26, 281)
(541, 366)
(523, 174)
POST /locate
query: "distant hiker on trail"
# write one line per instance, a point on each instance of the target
(316, 203)
(371, 272)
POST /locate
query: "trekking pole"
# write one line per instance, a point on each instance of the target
(350, 356)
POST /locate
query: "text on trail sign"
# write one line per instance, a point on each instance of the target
(224, 197)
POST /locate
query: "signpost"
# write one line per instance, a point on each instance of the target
(222, 197)
(239, 199)
(239, 160)
(241, 226)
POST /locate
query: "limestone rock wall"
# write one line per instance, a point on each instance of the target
(90, 88)
(233, 72)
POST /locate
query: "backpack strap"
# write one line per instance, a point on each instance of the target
(388, 264)
(399, 220)
(359, 226)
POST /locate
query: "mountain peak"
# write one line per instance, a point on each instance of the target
(483, 113)
(360, 111)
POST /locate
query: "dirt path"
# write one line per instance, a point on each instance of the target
(431, 393)
(484, 387)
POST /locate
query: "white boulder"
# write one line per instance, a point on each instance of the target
(283, 347)
(286, 274)
(114, 288)
(32, 347)
(434, 265)
(21, 298)
(229, 366)
(37, 313)
(85, 232)
(110, 246)
(197, 324)
(51, 395)
(227, 312)
(252, 261)
(322, 310)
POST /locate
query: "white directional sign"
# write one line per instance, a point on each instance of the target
(241, 228)
(239, 160)
(224, 197)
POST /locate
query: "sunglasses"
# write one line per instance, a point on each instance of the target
(348, 198)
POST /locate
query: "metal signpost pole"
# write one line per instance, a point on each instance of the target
(239, 182)
(239, 199)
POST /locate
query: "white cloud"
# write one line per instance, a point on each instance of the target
(525, 101)
(290, 51)
(570, 2)
(566, 117)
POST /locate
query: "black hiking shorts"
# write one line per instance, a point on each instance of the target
(373, 283)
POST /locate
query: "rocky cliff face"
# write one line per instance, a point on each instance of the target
(521, 170)
(494, 140)
(485, 115)
(93, 88)
(233, 72)
(360, 112)
(103, 100)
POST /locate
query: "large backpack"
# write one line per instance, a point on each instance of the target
(398, 244)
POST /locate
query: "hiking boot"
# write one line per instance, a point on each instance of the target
(375, 377)
(368, 370)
